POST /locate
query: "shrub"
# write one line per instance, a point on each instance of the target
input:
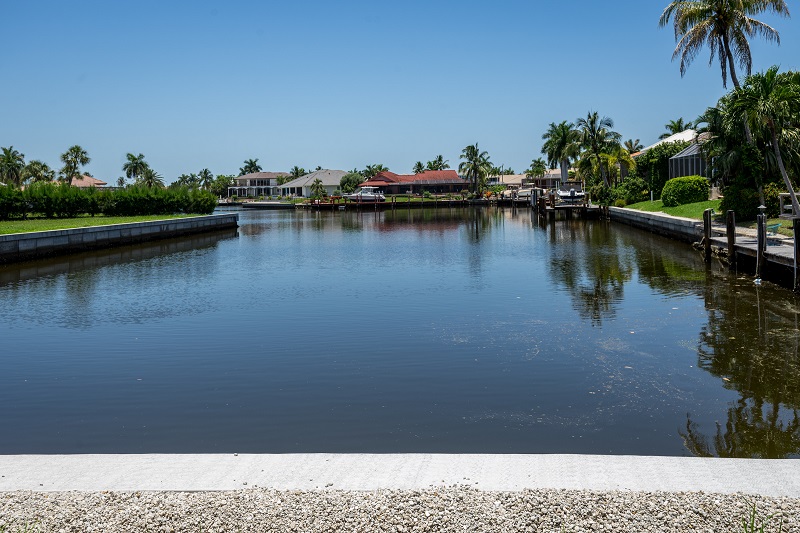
(12, 203)
(602, 195)
(620, 202)
(771, 199)
(685, 190)
(741, 200)
(633, 190)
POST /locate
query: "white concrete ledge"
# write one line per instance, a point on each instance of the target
(685, 229)
(204, 472)
(22, 246)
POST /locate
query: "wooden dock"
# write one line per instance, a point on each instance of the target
(774, 256)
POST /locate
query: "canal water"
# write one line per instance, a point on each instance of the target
(448, 330)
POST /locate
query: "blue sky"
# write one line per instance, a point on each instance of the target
(195, 85)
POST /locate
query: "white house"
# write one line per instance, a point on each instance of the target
(302, 186)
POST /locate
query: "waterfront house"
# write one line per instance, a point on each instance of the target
(257, 184)
(302, 186)
(434, 181)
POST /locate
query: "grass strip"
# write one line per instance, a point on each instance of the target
(687, 210)
(50, 224)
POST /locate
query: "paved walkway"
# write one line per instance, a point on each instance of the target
(182, 472)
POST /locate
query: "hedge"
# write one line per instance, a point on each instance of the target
(685, 190)
(52, 200)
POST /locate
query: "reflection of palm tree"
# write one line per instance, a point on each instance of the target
(595, 274)
(724, 26)
(748, 433)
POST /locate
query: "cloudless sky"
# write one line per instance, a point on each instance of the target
(193, 84)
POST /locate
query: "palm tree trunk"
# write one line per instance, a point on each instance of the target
(795, 205)
(564, 170)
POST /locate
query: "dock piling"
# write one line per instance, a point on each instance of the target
(761, 242)
(795, 226)
(730, 232)
(707, 234)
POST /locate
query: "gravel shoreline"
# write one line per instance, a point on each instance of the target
(457, 508)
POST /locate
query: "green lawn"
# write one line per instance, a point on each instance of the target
(48, 224)
(687, 210)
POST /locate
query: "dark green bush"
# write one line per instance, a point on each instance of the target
(52, 200)
(42, 199)
(742, 200)
(633, 190)
(771, 199)
(685, 190)
(602, 195)
(12, 203)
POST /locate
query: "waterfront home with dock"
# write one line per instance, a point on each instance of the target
(302, 186)
(257, 184)
(434, 181)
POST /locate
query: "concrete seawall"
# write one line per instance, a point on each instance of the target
(23, 246)
(683, 229)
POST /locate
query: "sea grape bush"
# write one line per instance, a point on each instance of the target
(685, 190)
(52, 200)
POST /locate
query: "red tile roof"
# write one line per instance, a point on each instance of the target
(428, 177)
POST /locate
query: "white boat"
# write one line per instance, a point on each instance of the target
(571, 192)
(366, 194)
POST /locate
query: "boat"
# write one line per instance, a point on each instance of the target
(571, 192)
(366, 194)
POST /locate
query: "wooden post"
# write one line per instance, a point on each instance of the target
(761, 243)
(730, 232)
(795, 226)
(707, 234)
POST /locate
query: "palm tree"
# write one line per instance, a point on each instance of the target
(38, 171)
(537, 169)
(317, 189)
(371, 170)
(475, 165)
(633, 146)
(296, 172)
(134, 166)
(419, 167)
(561, 145)
(438, 163)
(205, 178)
(675, 126)
(723, 25)
(598, 140)
(74, 158)
(151, 179)
(251, 166)
(771, 101)
(12, 166)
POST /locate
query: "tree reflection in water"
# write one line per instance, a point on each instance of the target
(593, 268)
(752, 342)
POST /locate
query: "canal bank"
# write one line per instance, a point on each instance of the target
(396, 492)
(775, 263)
(24, 246)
